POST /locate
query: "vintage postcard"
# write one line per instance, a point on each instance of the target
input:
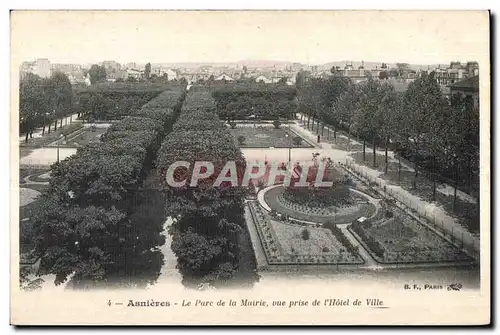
(250, 167)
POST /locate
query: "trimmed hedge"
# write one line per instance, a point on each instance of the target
(209, 219)
(373, 244)
(86, 222)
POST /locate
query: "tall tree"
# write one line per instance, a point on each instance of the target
(461, 155)
(423, 104)
(346, 107)
(62, 96)
(33, 103)
(402, 67)
(147, 71)
(367, 118)
(333, 88)
(97, 74)
(390, 115)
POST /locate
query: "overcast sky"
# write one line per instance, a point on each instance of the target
(308, 37)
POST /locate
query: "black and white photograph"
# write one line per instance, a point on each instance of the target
(279, 166)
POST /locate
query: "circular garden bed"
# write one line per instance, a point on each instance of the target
(345, 212)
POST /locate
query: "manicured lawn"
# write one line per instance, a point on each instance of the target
(342, 143)
(47, 138)
(265, 137)
(346, 214)
(284, 243)
(466, 212)
(402, 239)
(85, 137)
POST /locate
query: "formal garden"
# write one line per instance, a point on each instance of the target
(261, 135)
(291, 242)
(397, 172)
(399, 238)
(82, 137)
(355, 205)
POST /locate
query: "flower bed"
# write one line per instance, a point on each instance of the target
(341, 214)
(283, 242)
(265, 137)
(402, 239)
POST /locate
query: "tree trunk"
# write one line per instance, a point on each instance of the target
(364, 149)
(348, 138)
(48, 132)
(335, 133)
(434, 180)
(62, 121)
(415, 177)
(455, 191)
(43, 130)
(322, 129)
(433, 188)
(399, 168)
(308, 120)
(27, 134)
(374, 153)
(55, 125)
(386, 155)
(469, 176)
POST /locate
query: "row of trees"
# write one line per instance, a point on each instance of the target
(95, 222)
(43, 101)
(209, 220)
(111, 105)
(436, 133)
(268, 102)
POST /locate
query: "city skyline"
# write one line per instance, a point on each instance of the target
(307, 37)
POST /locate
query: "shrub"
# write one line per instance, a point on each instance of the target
(232, 124)
(276, 124)
(389, 214)
(241, 139)
(297, 140)
(325, 249)
(305, 234)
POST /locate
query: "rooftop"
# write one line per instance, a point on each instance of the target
(471, 82)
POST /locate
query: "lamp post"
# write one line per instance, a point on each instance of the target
(289, 149)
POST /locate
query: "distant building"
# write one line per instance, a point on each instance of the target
(26, 67)
(224, 76)
(262, 79)
(132, 65)
(160, 71)
(467, 87)
(134, 73)
(115, 75)
(67, 68)
(356, 75)
(42, 68)
(111, 65)
(455, 72)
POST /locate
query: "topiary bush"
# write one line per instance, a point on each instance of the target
(305, 234)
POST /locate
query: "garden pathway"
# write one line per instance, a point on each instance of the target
(370, 262)
(444, 188)
(46, 156)
(426, 209)
(38, 132)
(169, 272)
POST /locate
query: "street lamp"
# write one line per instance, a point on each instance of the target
(289, 149)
